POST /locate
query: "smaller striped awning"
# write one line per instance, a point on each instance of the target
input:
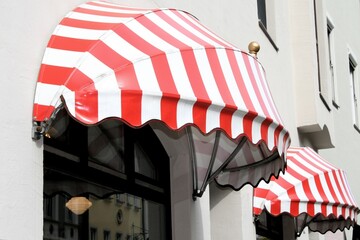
(312, 190)
(140, 66)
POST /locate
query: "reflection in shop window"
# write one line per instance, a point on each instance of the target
(93, 234)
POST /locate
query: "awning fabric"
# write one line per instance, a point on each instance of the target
(312, 190)
(108, 61)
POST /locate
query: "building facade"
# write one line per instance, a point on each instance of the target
(310, 51)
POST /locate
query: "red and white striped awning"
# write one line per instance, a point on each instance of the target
(312, 190)
(108, 61)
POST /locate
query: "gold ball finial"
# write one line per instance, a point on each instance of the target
(254, 48)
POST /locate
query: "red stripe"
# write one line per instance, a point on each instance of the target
(71, 44)
(265, 129)
(347, 190)
(131, 94)
(78, 80)
(157, 30)
(131, 106)
(110, 58)
(226, 117)
(86, 97)
(54, 74)
(255, 84)
(338, 185)
(261, 193)
(162, 71)
(87, 24)
(239, 80)
(42, 112)
(276, 207)
(198, 29)
(277, 134)
(219, 77)
(247, 124)
(294, 203)
(180, 28)
(266, 91)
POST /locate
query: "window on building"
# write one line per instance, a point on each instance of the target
(269, 227)
(266, 15)
(118, 236)
(93, 234)
(354, 91)
(107, 235)
(261, 6)
(330, 39)
(108, 163)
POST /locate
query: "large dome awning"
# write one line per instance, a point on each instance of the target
(312, 190)
(143, 65)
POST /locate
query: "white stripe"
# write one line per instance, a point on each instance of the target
(207, 77)
(184, 88)
(109, 97)
(213, 117)
(46, 93)
(261, 90)
(184, 112)
(79, 33)
(190, 18)
(247, 82)
(271, 133)
(149, 85)
(256, 129)
(69, 97)
(150, 107)
(61, 58)
(93, 67)
(268, 93)
(150, 37)
(172, 31)
(326, 188)
(97, 18)
(237, 126)
(191, 29)
(113, 10)
(335, 187)
(122, 47)
(230, 79)
(105, 83)
(344, 188)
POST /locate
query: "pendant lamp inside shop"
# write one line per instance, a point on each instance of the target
(119, 83)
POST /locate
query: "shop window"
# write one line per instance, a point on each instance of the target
(107, 164)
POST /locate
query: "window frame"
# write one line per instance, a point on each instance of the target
(355, 91)
(331, 62)
(264, 7)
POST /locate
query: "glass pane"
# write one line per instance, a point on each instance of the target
(132, 218)
(115, 217)
(143, 164)
(106, 144)
(62, 224)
